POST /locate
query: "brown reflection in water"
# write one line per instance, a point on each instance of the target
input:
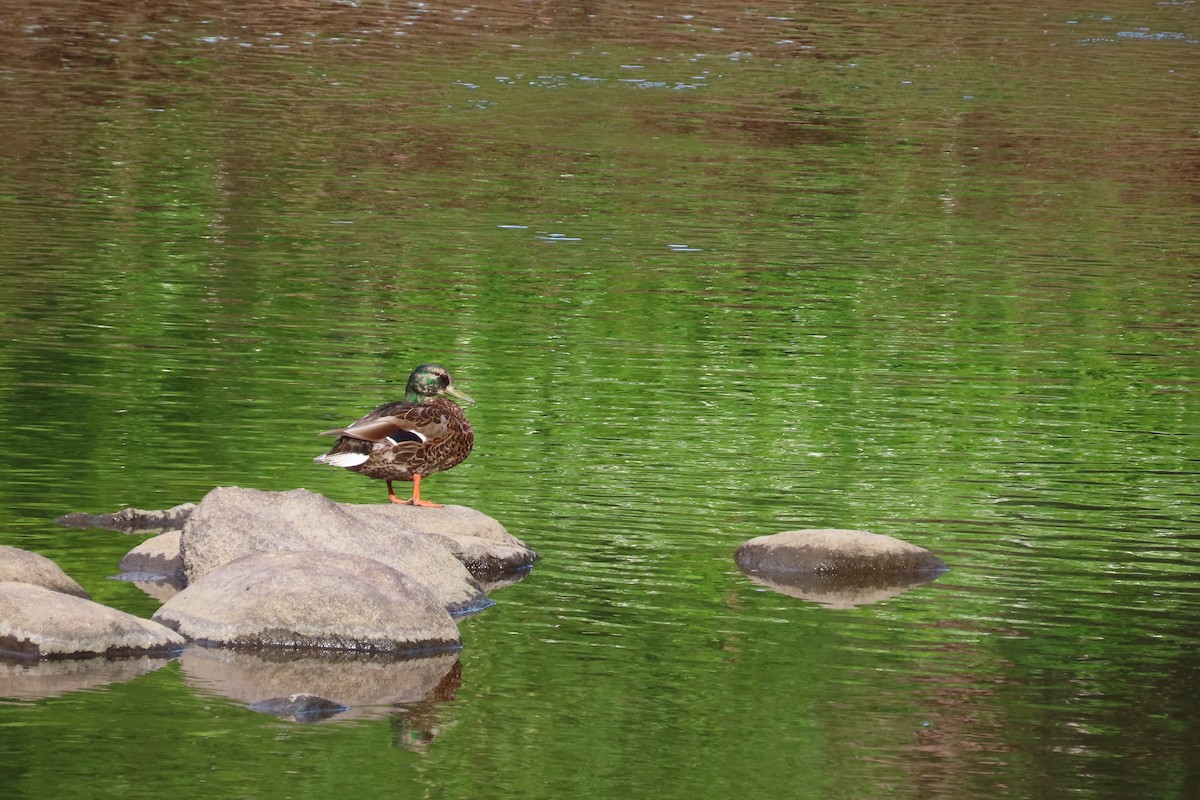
(370, 687)
(62, 32)
(963, 732)
(842, 591)
(417, 725)
(957, 734)
(970, 98)
(54, 677)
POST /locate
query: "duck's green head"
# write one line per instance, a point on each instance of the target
(429, 381)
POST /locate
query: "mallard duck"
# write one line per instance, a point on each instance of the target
(407, 440)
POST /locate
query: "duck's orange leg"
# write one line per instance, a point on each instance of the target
(415, 500)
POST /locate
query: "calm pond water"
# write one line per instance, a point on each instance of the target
(712, 271)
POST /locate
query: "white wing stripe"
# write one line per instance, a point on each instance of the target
(342, 459)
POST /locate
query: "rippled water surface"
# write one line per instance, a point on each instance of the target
(712, 271)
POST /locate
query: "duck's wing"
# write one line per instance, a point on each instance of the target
(397, 423)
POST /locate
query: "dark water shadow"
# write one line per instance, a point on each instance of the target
(496, 580)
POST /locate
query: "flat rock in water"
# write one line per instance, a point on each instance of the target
(155, 566)
(232, 522)
(828, 551)
(22, 566)
(155, 556)
(40, 623)
(311, 600)
(131, 520)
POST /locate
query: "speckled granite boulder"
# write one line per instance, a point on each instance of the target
(22, 566)
(40, 623)
(232, 522)
(315, 600)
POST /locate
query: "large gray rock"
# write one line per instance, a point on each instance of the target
(40, 623)
(315, 600)
(828, 551)
(232, 522)
(22, 566)
(492, 555)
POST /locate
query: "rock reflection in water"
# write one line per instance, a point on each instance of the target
(54, 677)
(370, 686)
(159, 587)
(495, 581)
(834, 590)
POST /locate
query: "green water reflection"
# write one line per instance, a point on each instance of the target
(711, 273)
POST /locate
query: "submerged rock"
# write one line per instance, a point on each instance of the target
(837, 568)
(22, 566)
(311, 600)
(39, 623)
(299, 707)
(131, 520)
